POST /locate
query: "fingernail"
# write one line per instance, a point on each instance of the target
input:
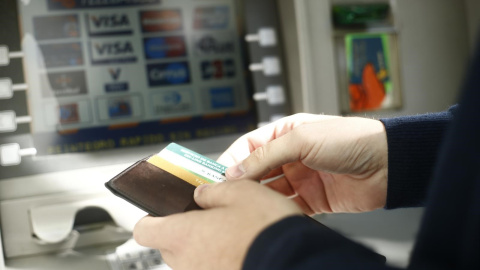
(236, 171)
(199, 189)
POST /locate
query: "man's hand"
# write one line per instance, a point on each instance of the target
(326, 163)
(219, 236)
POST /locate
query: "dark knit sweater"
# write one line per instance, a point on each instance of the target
(432, 163)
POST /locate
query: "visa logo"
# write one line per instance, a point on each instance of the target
(114, 51)
(109, 24)
(168, 74)
(114, 48)
(114, 20)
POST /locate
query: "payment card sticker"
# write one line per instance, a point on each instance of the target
(188, 165)
(369, 74)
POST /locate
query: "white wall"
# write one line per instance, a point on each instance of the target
(473, 19)
(434, 41)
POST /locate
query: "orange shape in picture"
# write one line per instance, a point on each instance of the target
(370, 94)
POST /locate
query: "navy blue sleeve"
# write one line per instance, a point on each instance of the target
(303, 243)
(413, 145)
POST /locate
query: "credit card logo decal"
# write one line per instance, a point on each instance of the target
(112, 51)
(168, 74)
(61, 55)
(206, 45)
(119, 108)
(161, 20)
(164, 47)
(56, 27)
(104, 24)
(116, 85)
(115, 73)
(216, 17)
(173, 102)
(76, 4)
(64, 84)
(68, 114)
(218, 69)
(222, 97)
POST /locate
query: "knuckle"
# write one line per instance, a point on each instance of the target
(259, 153)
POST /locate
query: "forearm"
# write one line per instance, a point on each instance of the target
(413, 143)
(300, 243)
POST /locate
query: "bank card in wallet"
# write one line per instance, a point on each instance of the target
(163, 184)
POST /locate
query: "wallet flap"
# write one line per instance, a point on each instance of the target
(154, 190)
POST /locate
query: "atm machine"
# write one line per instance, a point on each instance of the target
(88, 87)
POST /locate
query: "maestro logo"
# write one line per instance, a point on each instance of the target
(168, 74)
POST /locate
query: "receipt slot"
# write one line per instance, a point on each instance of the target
(46, 224)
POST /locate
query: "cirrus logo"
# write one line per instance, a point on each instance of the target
(168, 74)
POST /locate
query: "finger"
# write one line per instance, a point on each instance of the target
(267, 158)
(303, 205)
(224, 194)
(235, 154)
(157, 232)
(275, 173)
(242, 148)
(281, 185)
(246, 144)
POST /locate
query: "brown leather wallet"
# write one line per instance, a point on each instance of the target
(153, 190)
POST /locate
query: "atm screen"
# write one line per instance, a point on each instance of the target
(106, 74)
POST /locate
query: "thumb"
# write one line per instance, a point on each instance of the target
(223, 194)
(266, 158)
